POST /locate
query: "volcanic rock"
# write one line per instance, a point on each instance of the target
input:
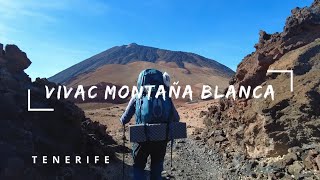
(310, 160)
(66, 131)
(16, 60)
(1, 50)
(290, 122)
(295, 168)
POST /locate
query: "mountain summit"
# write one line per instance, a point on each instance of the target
(129, 54)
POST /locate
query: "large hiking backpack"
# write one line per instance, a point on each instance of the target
(152, 110)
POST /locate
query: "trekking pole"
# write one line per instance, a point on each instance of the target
(171, 153)
(123, 152)
(171, 137)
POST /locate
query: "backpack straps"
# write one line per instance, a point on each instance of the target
(170, 129)
(144, 122)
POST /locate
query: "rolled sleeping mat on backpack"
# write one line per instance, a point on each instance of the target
(157, 132)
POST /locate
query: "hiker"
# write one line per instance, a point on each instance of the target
(150, 112)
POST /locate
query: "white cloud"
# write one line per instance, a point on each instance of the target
(16, 10)
(44, 11)
(18, 15)
(15, 14)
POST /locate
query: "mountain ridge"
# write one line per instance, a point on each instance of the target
(133, 52)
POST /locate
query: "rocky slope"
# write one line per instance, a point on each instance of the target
(281, 138)
(66, 131)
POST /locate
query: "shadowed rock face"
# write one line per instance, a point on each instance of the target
(14, 59)
(259, 128)
(23, 134)
(126, 54)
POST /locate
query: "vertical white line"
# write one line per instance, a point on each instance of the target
(29, 109)
(284, 71)
(291, 79)
(35, 109)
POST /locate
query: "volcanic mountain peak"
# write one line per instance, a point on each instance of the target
(133, 52)
(132, 44)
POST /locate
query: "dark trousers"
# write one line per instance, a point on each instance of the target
(141, 152)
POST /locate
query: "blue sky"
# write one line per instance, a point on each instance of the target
(58, 34)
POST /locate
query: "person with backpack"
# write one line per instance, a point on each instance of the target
(150, 110)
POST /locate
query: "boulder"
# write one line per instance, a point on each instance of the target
(296, 168)
(317, 160)
(310, 161)
(17, 60)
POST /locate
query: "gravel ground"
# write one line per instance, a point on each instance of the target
(192, 159)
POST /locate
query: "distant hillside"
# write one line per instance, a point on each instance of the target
(127, 54)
